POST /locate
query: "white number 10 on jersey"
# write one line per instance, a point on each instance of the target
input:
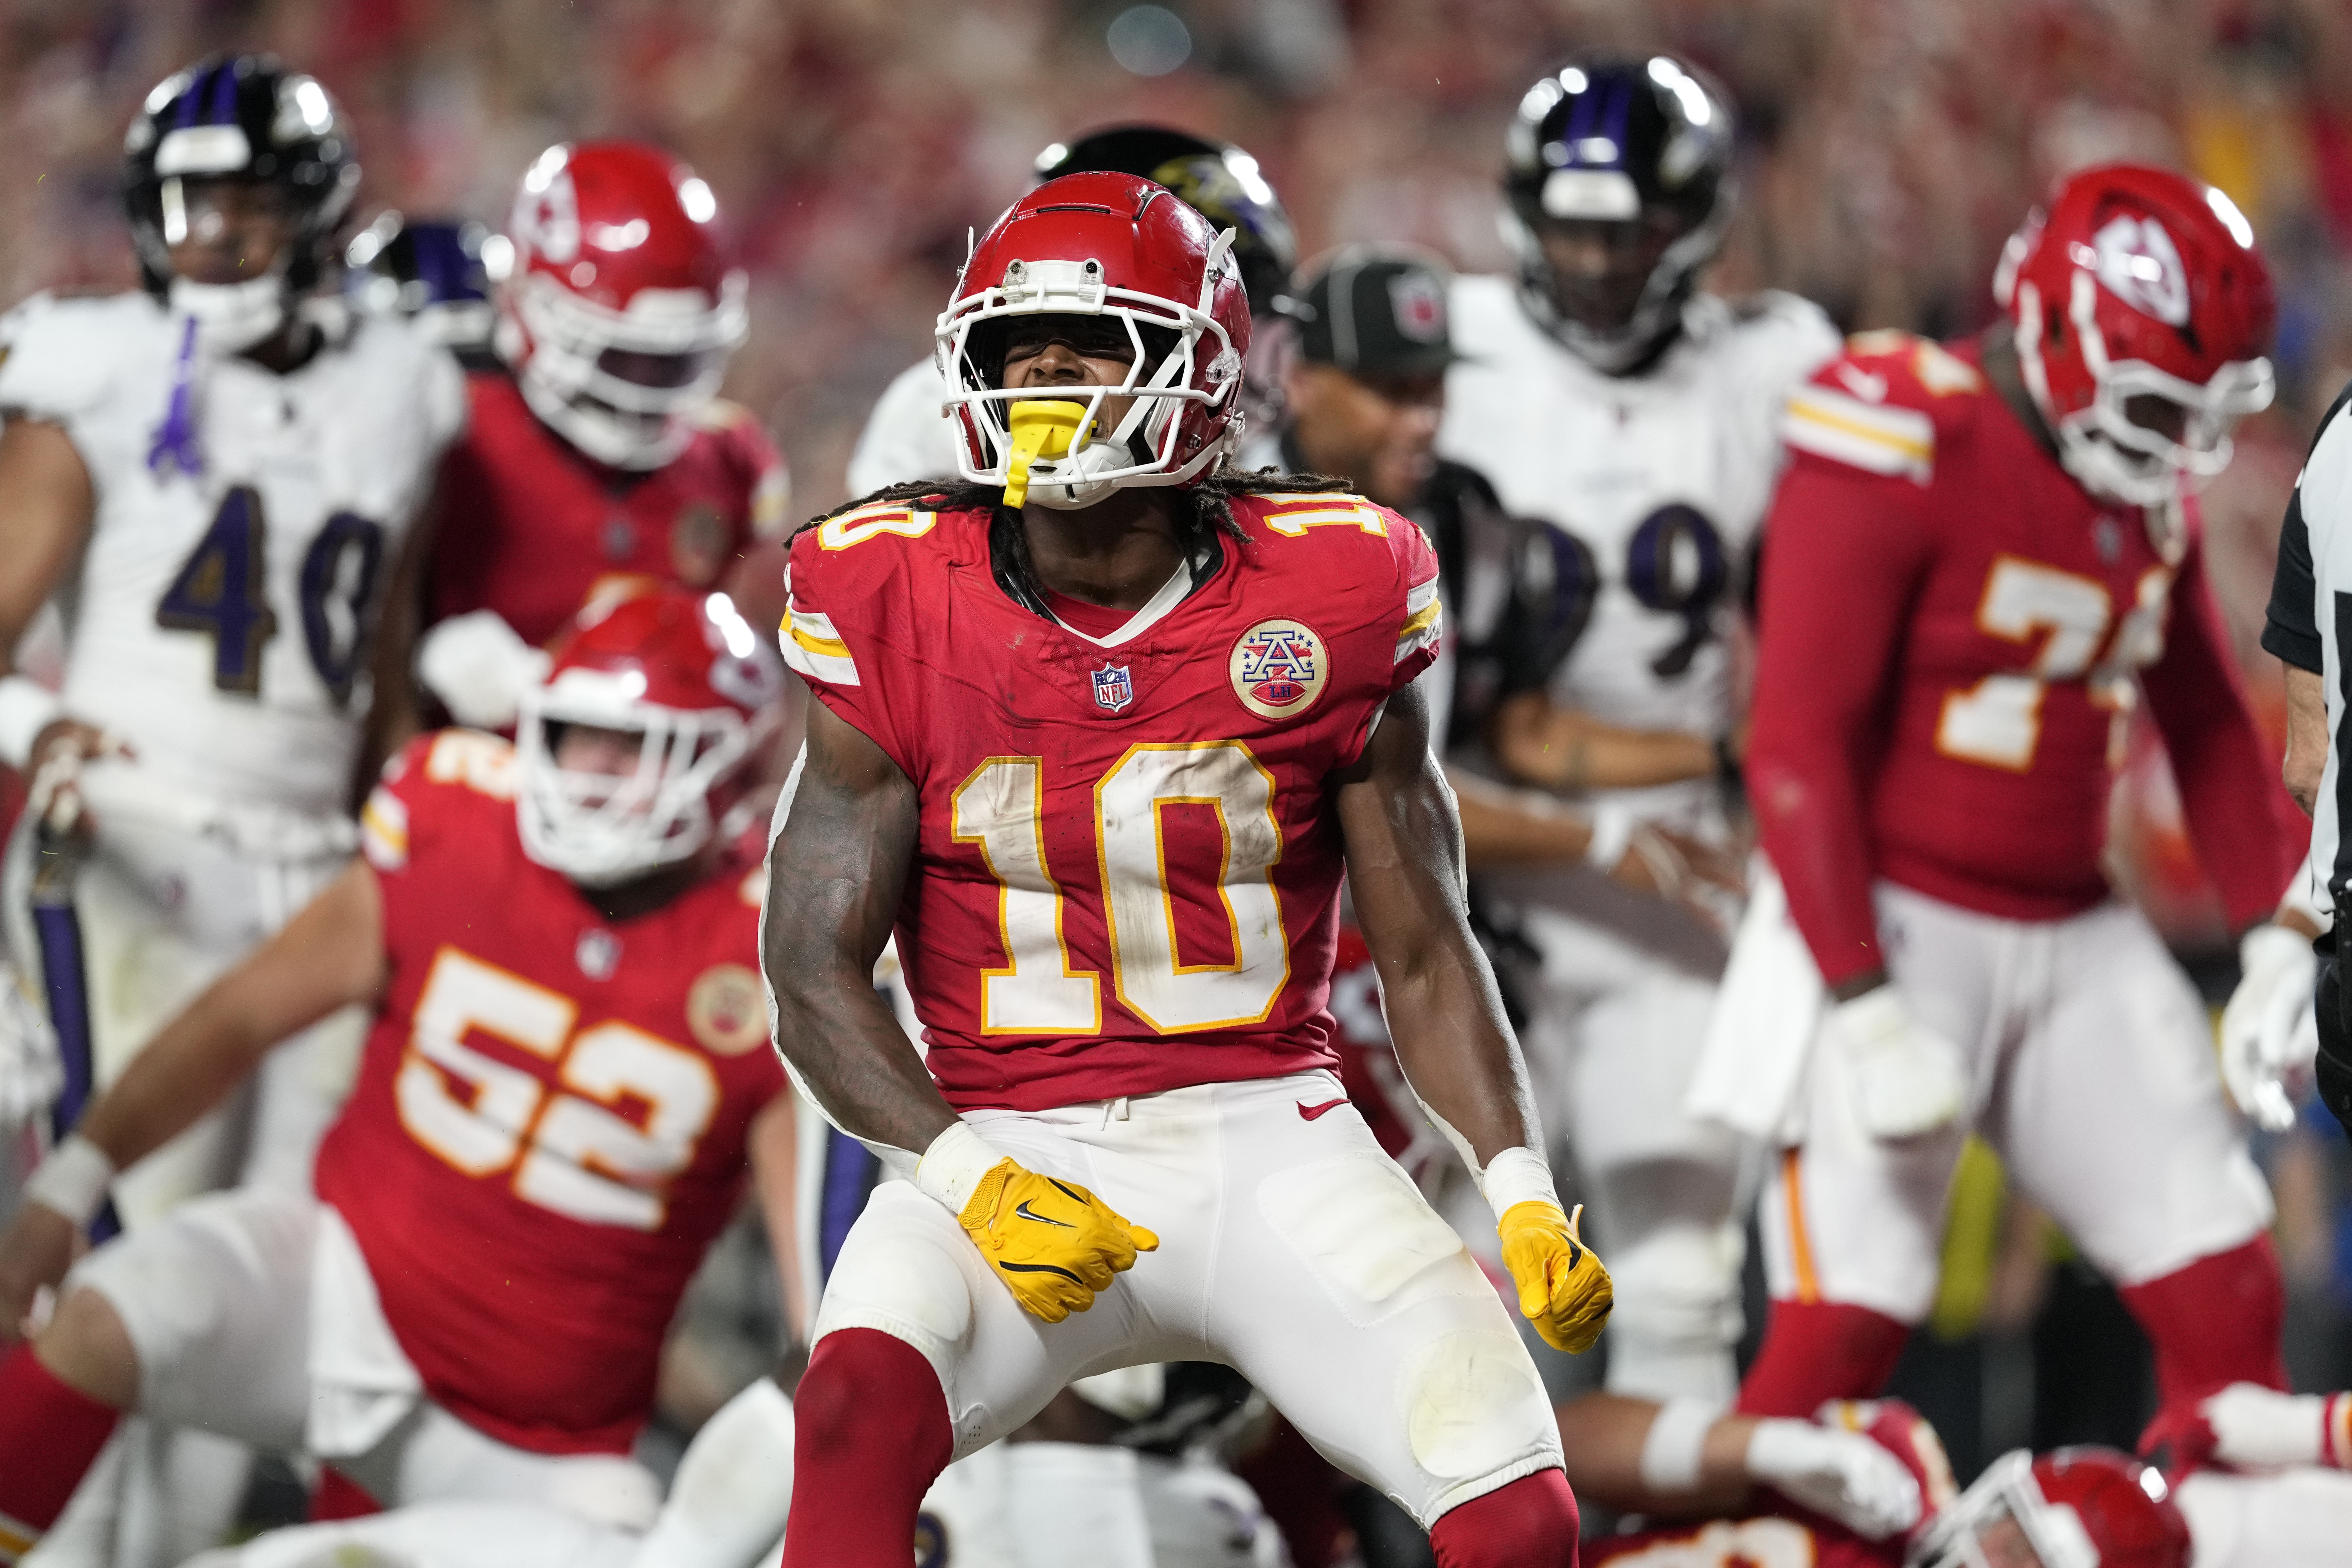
(1000, 808)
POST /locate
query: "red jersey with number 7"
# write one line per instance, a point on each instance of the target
(1128, 875)
(1953, 635)
(551, 1118)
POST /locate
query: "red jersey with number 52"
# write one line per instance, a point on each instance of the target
(1953, 634)
(1128, 878)
(551, 1117)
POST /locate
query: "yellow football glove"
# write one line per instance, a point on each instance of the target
(1053, 1243)
(1563, 1288)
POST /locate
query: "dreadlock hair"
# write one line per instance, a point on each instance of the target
(1203, 516)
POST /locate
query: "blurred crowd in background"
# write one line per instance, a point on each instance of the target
(1888, 147)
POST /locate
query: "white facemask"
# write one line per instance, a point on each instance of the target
(232, 316)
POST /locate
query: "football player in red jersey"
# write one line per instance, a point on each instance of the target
(566, 1076)
(1101, 753)
(1981, 557)
(601, 459)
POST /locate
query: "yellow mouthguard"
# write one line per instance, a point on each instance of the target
(1040, 430)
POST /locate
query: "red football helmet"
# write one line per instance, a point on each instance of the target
(617, 308)
(687, 672)
(1117, 247)
(2139, 287)
(2075, 1507)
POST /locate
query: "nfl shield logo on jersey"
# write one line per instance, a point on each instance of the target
(1113, 689)
(1279, 669)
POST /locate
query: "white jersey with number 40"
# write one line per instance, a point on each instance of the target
(1662, 477)
(219, 621)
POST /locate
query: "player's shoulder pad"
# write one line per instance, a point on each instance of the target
(398, 352)
(446, 769)
(1784, 336)
(844, 571)
(1879, 405)
(61, 354)
(747, 446)
(1341, 538)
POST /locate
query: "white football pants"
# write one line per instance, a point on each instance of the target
(2091, 1074)
(1291, 1249)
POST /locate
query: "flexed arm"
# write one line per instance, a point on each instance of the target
(1404, 864)
(835, 876)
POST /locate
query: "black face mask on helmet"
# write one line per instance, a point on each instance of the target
(238, 117)
(1216, 179)
(1630, 141)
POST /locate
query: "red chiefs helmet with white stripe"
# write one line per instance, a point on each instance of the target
(1124, 249)
(617, 306)
(684, 671)
(2075, 1507)
(2142, 312)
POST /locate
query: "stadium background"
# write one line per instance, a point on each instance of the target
(1888, 147)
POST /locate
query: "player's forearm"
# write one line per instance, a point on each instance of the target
(848, 1051)
(1603, 1438)
(2306, 736)
(1559, 747)
(2245, 837)
(328, 957)
(1508, 828)
(1454, 1045)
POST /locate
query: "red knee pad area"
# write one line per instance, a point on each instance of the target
(1817, 1350)
(871, 1435)
(1531, 1523)
(50, 1433)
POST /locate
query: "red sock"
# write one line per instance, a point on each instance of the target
(337, 1496)
(2215, 1322)
(1531, 1523)
(1817, 1350)
(872, 1435)
(50, 1433)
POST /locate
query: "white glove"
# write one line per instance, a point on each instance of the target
(479, 669)
(2258, 1429)
(1907, 1077)
(2269, 1032)
(1842, 1475)
(31, 1072)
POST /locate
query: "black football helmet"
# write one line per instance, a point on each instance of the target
(1216, 179)
(1636, 141)
(431, 270)
(239, 117)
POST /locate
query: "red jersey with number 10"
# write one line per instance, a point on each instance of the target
(1952, 636)
(1127, 878)
(551, 1118)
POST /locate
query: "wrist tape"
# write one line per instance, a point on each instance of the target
(1516, 1176)
(72, 1181)
(950, 1169)
(27, 708)
(1676, 1443)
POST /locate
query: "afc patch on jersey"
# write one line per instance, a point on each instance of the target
(1279, 669)
(1114, 689)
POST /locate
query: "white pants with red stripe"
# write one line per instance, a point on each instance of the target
(2093, 1074)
